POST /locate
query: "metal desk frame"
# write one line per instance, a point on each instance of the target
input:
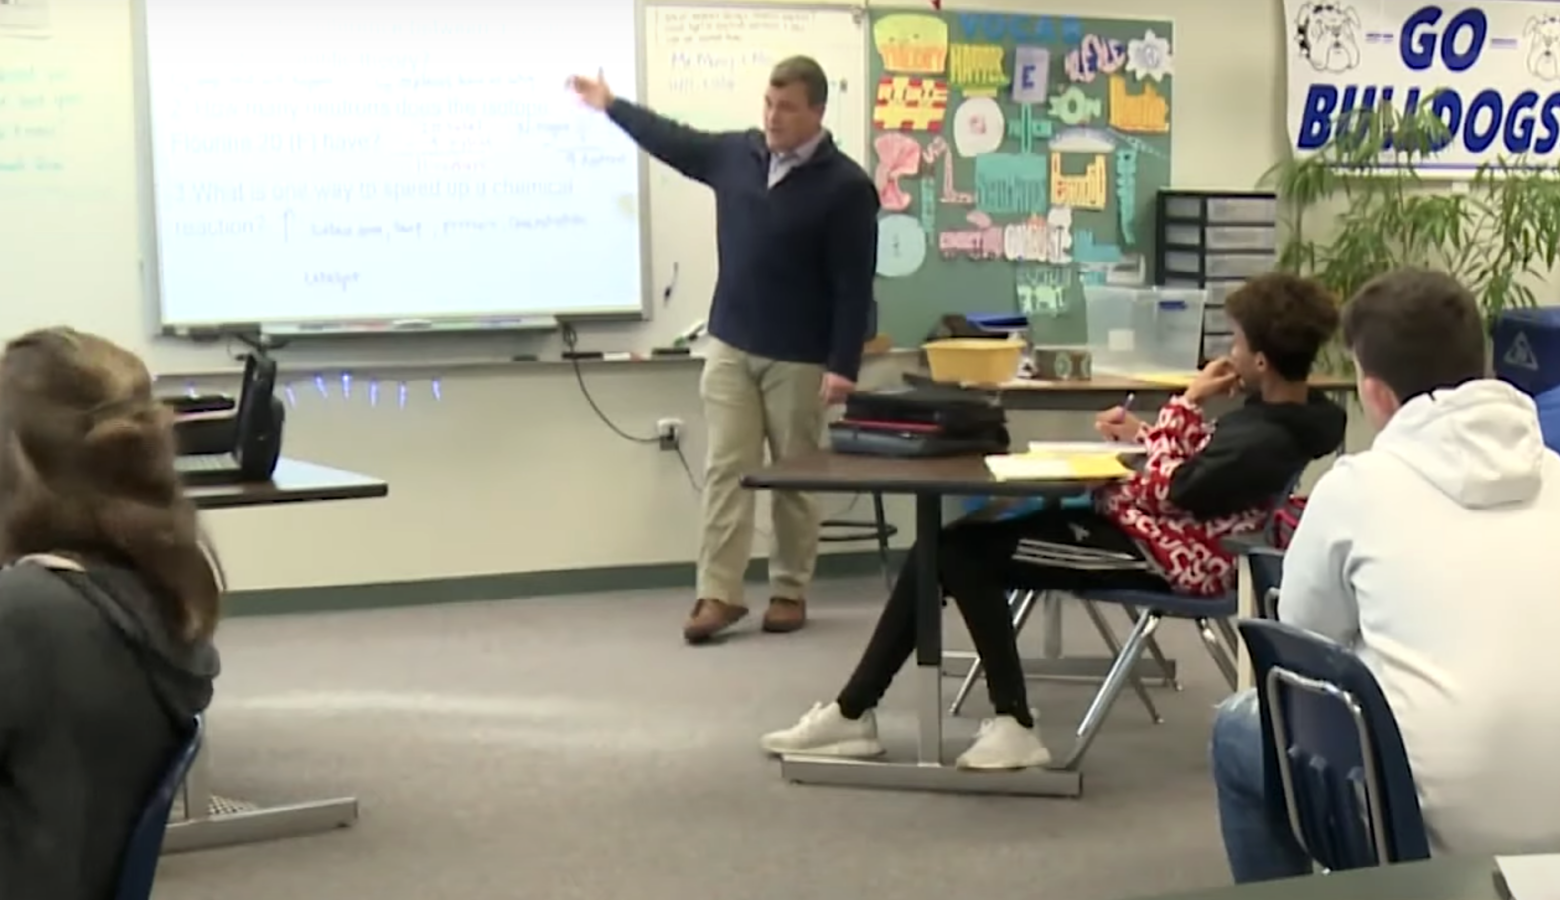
(930, 770)
(210, 821)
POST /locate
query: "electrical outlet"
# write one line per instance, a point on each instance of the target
(670, 433)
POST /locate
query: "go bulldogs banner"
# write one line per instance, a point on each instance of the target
(1498, 62)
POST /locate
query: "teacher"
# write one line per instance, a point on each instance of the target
(796, 242)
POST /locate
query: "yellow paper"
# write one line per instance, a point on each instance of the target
(1097, 466)
(1053, 467)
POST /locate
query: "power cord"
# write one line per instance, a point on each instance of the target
(571, 340)
(687, 467)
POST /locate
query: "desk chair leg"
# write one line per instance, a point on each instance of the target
(1022, 603)
(1115, 680)
(882, 540)
(1231, 639)
(1221, 657)
(1162, 661)
(1108, 635)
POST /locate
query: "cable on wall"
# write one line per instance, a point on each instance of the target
(571, 339)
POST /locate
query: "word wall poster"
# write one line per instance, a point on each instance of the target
(1017, 158)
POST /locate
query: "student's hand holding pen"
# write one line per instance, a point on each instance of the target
(1118, 423)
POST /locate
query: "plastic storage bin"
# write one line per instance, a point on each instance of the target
(1526, 348)
(1549, 417)
(974, 360)
(1134, 331)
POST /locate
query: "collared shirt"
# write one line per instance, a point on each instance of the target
(781, 164)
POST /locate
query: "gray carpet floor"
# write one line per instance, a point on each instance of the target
(575, 748)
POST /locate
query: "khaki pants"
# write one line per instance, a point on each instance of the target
(749, 403)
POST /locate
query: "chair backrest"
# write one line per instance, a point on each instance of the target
(138, 866)
(1267, 572)
(1267, 562)
(1333, 746)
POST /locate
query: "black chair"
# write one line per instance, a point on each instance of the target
(840, 531)
(1333, 745)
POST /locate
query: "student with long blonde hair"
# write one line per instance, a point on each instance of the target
(108, 602)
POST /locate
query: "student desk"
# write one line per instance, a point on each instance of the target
(928, 481)
(212, 821)
(1446, 878)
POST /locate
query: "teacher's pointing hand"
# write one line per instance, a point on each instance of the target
(593, 91)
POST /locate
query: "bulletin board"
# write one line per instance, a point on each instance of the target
(1017, 158)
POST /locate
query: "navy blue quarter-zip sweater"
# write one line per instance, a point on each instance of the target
(797, 260)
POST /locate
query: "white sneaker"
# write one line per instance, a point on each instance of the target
(824, 731)
(1002, 743)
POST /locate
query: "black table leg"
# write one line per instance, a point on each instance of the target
(928, 631)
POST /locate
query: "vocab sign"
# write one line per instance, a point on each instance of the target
(1496, 66)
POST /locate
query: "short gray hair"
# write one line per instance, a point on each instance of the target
(805, 71)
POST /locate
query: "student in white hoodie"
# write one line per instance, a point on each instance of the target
(1432, 556)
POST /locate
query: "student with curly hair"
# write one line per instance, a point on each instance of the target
(1159, 530)
(108, 601)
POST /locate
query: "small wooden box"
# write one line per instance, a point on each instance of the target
(1061, 364)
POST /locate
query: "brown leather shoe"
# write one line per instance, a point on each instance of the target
(785, 615)
(709, 618)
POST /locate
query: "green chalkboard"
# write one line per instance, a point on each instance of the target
(1017, 157)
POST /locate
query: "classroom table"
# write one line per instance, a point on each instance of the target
(928, 481)
(1447, 878)
(211, 821)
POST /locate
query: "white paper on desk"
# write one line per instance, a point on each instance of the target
(1085, 448)
(1535, 877)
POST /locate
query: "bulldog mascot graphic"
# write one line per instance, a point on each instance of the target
(1542, 35)
(1328, 36)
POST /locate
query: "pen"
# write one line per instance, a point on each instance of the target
(1126, 405)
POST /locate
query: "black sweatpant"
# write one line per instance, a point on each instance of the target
(1058, 550)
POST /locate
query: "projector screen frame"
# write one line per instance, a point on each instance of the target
(150, 251)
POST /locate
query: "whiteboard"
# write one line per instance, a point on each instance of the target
(312, 162)
(708, 65)
(75, 237)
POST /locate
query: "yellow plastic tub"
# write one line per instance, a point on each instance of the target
(974, 360)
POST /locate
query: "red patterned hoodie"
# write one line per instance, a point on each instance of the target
(1204, 481)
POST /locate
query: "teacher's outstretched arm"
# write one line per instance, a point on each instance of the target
(688, 150)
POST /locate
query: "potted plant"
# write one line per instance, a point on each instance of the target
(1353, 210)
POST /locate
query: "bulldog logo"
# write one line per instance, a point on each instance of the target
(1327, 34)
(1543, 47)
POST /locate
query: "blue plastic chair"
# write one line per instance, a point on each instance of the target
(1267, 574)
(1213, 617)
(1333, 746)
(138, 867)
(1021, 604)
